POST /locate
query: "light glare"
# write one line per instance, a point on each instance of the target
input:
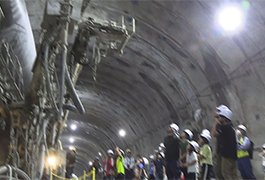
(71, 140)
(90, 163)
(122, 133)
(73, 127)
(99, 154)
(230, 18)
(51, 161)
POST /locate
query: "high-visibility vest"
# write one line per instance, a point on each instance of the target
(241, 153)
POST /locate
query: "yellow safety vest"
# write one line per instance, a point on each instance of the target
(241, 153)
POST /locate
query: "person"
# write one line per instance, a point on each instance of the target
(139, 170)
(162, 147)
(151, 167)
(262, 155)
(205, 156)
(185, 137)
(192, 161)
(159, 167)
(227, 142)
(119, 164)
(129, 164)
(109, 166)
(217, 151)
(243, 159)
(97, 167)
(171, 142)
(70, 162)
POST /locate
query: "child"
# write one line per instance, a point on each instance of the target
(185, 136)
(205, 156)
(159, 166)
(262, 155)
(192, 161)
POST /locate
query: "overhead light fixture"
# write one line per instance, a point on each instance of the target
(122, 133)
(99, 154)
(230, 17)
(71, 140)
(73, 127)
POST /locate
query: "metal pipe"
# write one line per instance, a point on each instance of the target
(10, 172)
(72, 92)
(41, 163)
(17, 29)
(47, 78)
(70, 108)
(3, 169)
(21, 173)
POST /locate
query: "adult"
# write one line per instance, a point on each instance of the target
(171, 142)
(70, 162)
(243, 159)
(119, 164)
(129, 165)
(109, 166)
(97, 167)
(228, 146)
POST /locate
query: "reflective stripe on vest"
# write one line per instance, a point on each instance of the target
(241, 153)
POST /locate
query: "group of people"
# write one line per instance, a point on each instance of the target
(180, 157)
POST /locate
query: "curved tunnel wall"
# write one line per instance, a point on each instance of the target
(178, 61)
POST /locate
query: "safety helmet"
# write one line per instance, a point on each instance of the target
(110, 151)
(189, 133)
(174, 127)
(225, 111)
(162, 145)
(74, 149)
(242, 127)
(206, 131)
(151, 156)
(206, 136)
(195, 145)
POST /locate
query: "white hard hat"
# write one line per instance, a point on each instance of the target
(122, 152)
(242, 127)
(162, 145)
(263, 146)
(221, 107)
(110, 151)
(189, 133)
(225, 111)
(146, 162)
(162, 154)
(195, 145)
(174, 127)
(151, 156)
(206, 131)
(206, 136)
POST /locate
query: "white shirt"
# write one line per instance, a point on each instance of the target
(129, 162)
(195, 167)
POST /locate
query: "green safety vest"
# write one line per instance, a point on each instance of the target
(241, 153)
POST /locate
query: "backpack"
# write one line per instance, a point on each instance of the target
(250, 150)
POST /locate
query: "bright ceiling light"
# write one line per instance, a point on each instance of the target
(52, 161)
(99, 154)
(122, 133)
(230, 18)
(71, 140)
(90, 163)
(73, 127)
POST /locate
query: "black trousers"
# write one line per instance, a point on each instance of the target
(120, 176)
(129, 174)
(191, 176)
(69, 172)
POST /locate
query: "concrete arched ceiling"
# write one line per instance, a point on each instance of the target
(177, 62)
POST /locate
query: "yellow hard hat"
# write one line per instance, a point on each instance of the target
(74, 149)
